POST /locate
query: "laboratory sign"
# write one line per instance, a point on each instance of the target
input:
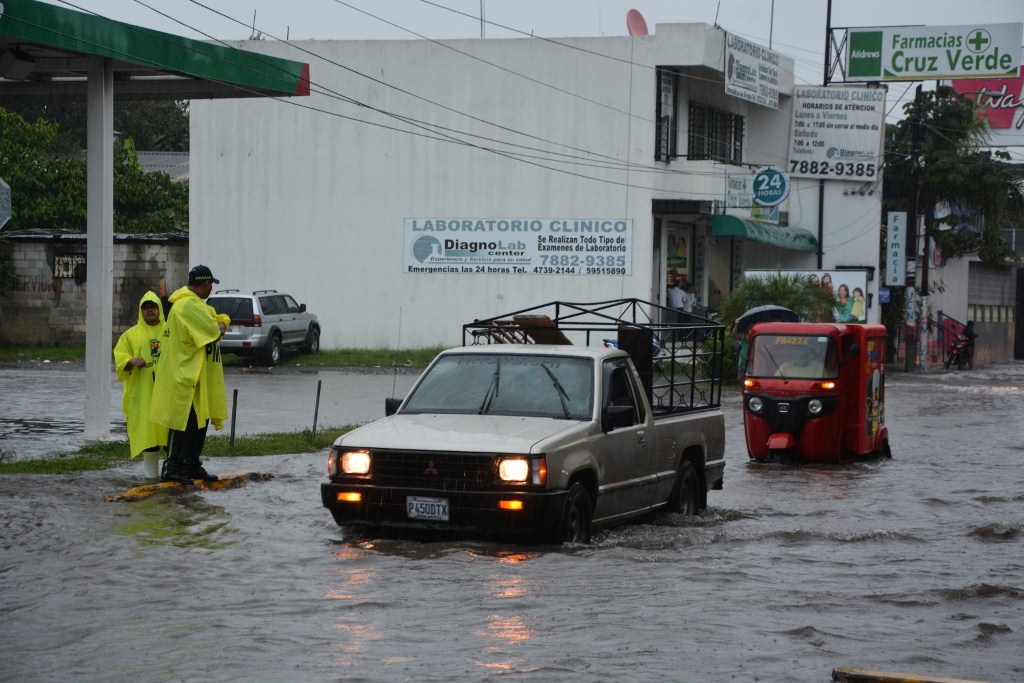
(521, 246)
(751, 72)
(917, 53)
(837, 133)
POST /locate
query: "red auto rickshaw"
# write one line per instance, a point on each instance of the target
(815, 392)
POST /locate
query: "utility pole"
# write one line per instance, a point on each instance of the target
(825, 79)
(917, 340)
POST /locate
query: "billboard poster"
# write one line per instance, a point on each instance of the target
(1000, 101)
(751, 72)
(923, 53)
(836, 133)
(520, 246)
(848, 289)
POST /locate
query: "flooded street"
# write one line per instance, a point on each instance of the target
(914, 564)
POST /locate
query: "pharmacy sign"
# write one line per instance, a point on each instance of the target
(918, 53)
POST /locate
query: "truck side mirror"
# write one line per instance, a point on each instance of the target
(853, 351)
(302, 308)
(391, 406)
(616, 417)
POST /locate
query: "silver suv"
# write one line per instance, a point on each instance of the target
(264, 323)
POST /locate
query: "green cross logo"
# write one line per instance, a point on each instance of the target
(978, 40)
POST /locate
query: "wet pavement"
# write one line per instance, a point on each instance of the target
(912, 564)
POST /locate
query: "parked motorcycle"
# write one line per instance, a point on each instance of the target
(959, 353)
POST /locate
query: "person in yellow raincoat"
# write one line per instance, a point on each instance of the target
(135, 358)
(189, 391)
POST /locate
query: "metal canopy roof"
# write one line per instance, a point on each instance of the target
(48, 53)
(44, 49)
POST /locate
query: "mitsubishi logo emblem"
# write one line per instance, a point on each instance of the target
(430, 468)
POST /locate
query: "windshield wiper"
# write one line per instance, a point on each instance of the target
(776, 364)
(492, 390)
(563, 397)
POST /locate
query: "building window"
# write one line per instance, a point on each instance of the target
(665, 129)
(715, 135)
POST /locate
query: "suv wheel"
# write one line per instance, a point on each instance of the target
(313, 341)
(273, 352)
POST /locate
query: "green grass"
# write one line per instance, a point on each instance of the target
(115, 453)
(53, 353)
(351, 358)
(327, 358)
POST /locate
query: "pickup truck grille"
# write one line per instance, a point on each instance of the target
(434, 470)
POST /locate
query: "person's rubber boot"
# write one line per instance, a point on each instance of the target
(196, 471)
(174, 472)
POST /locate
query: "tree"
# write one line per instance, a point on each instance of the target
(978, 187)
(48, 189)
(808, 299)
(155, 126)
(811, 301)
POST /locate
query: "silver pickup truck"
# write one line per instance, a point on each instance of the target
(541, 440)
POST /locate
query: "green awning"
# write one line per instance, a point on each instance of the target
(43, 50)
(796, 239)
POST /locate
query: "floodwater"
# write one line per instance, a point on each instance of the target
(914, 564)
(48, 413)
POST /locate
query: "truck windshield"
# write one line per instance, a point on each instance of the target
(506, 384)
(793, 356)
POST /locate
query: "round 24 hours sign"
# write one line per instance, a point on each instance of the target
(770, 186)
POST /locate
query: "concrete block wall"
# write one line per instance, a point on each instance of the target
(46, 305)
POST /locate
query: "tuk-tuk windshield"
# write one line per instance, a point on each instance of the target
(793, 355)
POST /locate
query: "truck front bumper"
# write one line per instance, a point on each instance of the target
(476, 512)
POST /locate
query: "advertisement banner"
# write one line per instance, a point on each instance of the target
(847, 287)
(836, 132)
(1000, 101)
(922, 53)
(527, 246)
(896, 252)
(751, 72)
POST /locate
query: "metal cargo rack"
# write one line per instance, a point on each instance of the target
(679, 360)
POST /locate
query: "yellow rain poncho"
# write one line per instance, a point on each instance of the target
(140, 341)
(191, 369)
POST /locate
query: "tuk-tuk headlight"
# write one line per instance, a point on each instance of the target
(814, 406)
(755, 404)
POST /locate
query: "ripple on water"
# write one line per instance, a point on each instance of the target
(997, 533)
(984, 591)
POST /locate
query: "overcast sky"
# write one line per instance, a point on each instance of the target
(792, 27)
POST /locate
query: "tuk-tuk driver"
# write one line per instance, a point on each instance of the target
(804, 362)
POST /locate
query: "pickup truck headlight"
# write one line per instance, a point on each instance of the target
(522, 470)
(348, 462)
(514, 469)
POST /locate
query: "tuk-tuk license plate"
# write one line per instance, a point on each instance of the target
(427, 508)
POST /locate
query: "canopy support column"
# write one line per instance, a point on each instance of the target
(99, 296)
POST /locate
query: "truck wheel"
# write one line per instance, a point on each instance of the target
(575, 524)
(272, 355)
(686, 493)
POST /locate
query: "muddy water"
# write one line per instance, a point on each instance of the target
(914, 564)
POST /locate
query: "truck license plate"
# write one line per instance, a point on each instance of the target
(427, 508)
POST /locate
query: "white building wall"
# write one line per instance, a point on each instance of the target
(310, 195)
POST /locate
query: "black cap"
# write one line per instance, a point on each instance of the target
(200, 274)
